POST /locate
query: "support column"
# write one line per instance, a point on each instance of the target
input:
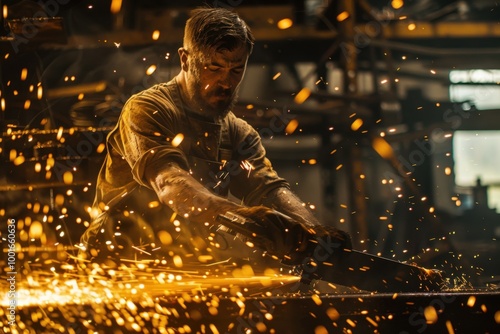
(346, 15)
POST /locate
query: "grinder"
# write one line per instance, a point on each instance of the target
(322, 259)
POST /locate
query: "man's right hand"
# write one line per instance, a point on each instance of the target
(289, 240)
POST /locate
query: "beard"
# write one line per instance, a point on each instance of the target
(215, 102)
(224, 101)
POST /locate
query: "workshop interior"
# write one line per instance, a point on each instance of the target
(384, 117)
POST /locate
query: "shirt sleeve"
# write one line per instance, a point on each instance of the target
(146, 130)
(255, 177)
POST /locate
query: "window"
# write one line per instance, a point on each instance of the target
(477, 153)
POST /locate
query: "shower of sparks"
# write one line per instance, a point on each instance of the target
(119, 295)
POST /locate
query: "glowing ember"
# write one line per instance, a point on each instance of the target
(177, 140)
(151, 69)
(302, 95)
(156, 35)
(291, 127)
(431, 315)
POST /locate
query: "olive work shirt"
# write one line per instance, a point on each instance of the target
(224, 155)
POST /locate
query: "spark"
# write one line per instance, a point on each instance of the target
(178, 261)
(343, 16)
(291, 127)
(471, 301)
(371, 321)
(356, 124)
(317, 300)
(430, 315)
(116, 6)
(285, 23)
(449, 327)
(177, 140)
(497, 317)
(302, 95)
(151, 69)
(19, 160)
(153, 204)
(68, 177)
(100, 148)
(351, 323)
(245, 164)
(24, 74)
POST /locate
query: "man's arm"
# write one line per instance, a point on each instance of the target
(177, 189)
(187, 197)
(285, 201)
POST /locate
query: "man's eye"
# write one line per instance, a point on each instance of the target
(213, 68)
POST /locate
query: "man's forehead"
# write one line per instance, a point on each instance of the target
(236, 55)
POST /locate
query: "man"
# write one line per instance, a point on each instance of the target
(178, 151)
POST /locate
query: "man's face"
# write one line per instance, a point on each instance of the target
(213, 80)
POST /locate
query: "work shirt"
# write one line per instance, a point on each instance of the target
(155, 128)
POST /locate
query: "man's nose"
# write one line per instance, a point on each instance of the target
(225, 80)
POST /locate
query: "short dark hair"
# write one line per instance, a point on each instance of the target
(217, 28)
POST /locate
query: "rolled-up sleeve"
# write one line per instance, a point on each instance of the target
(145, 135)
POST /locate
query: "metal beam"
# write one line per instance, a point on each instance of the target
(410, 30)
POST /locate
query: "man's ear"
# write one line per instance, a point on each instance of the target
(183, 56)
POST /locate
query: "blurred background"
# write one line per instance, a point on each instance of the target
(384, 116)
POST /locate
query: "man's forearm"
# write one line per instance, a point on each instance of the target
(285, 201)
(177, 189)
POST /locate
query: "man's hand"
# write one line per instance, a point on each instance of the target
(289, 240)
(323, 242)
